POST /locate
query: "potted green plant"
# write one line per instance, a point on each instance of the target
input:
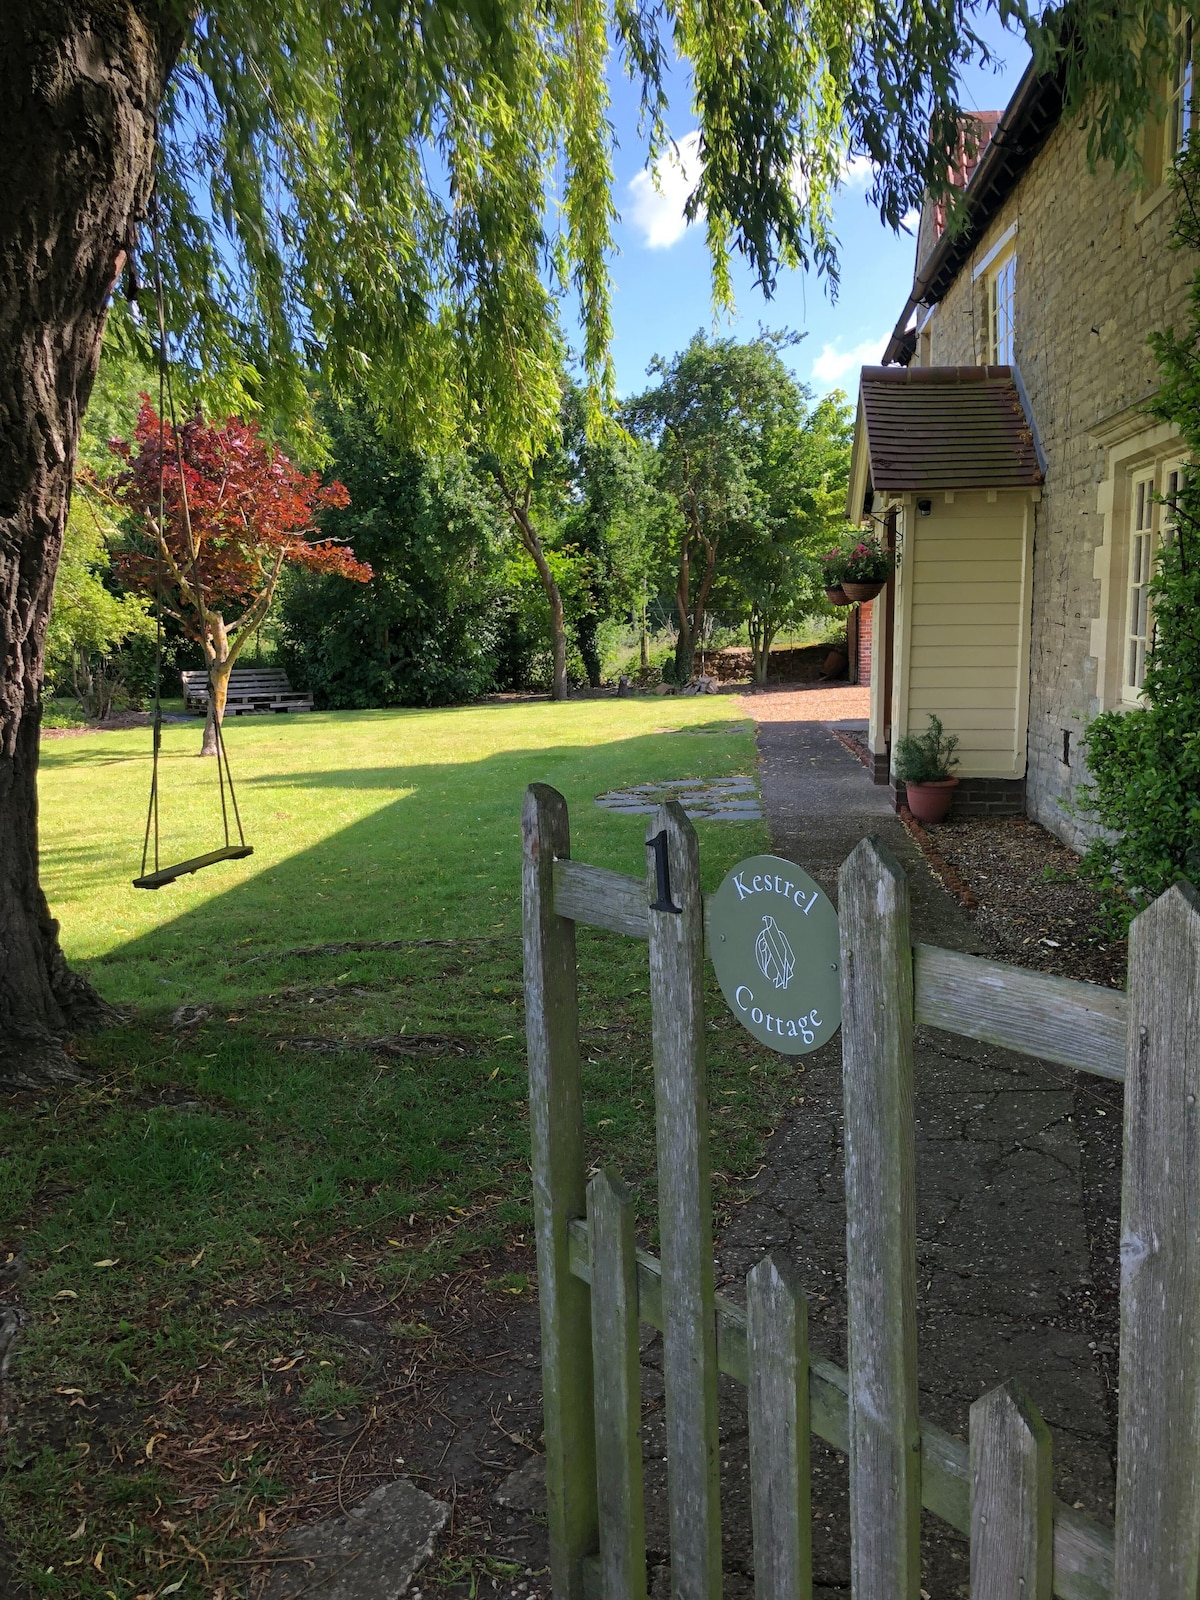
(922, 763)
(858, 571)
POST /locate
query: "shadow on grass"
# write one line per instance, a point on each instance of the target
(442, 860)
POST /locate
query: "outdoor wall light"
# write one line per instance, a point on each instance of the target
(924, 508)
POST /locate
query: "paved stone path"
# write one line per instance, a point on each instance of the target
(714, 799)
(1003, 1248)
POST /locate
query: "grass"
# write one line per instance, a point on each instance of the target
(333, 1123)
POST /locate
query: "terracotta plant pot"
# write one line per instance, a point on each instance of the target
(837, 597)
(929, 802)
(860, 591)
(835, 664)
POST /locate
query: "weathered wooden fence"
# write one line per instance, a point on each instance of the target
(595, 1287)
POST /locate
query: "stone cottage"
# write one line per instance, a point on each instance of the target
(1004, 450)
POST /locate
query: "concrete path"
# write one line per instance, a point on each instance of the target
(1003, 1249)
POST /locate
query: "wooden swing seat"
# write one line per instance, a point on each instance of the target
(159, 880)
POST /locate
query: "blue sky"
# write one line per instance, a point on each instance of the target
(662, 290)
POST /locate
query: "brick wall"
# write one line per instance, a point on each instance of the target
(865, 614)
(979, 797)
(1094, 278)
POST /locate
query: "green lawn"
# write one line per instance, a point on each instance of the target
(275, 1154)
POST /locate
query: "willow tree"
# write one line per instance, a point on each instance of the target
(389, 193)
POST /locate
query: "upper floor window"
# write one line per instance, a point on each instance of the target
(1002, 288)
(1181, 109)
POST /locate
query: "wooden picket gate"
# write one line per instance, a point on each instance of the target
(595, 1287)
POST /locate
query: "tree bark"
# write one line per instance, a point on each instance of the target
(558, 626)
(691, 614)
(684, 646)
(218, 678)
(762, 636)
(80, 86)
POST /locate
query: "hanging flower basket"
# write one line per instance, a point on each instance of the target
(858, 571)
(857, 592)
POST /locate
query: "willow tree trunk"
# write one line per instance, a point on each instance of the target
(80, 86)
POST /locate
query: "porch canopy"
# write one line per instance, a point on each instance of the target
(949, 456)
(923, 428)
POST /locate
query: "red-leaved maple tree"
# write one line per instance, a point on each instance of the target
(232, 511)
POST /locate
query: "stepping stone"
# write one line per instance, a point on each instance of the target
(369, 1554)
(525, 1489)
(717, 799)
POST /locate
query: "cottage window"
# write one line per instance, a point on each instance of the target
(1145, 474)
(1002, 288)
(1181, 111)
(1172, 485)
(1142, 552)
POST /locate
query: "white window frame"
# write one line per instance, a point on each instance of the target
(1172, 483)
(1143, 560)
(1134, 450)
(1181, 104)
(1150, 527)
(1001, 310)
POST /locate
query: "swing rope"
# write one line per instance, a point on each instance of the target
(166, 400)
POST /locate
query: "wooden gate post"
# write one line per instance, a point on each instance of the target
(676, 918)
(1012, 1529)
(779, 1417)
(881, 1251)
(1158, 1425)
(556, 1135)
(618, 1408)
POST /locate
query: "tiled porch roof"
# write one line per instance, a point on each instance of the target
(946, 428)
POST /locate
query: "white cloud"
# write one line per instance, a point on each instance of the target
(833, 367)
(857, 171)
(911, 220)
(659, 194)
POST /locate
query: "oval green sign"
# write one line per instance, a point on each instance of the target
(774, 942)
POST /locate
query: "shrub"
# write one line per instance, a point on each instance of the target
(926, 757)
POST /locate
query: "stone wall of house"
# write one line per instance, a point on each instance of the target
(1094, 277)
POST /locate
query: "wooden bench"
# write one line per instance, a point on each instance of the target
(250, 689)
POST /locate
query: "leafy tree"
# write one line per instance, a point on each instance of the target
(1145, 762)
(216, 514)
(720, 419)
(572, 506)
(528, 494)
(605, 524)
(90, 620)
(425, 630)
(776, 564)
(365, 190)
